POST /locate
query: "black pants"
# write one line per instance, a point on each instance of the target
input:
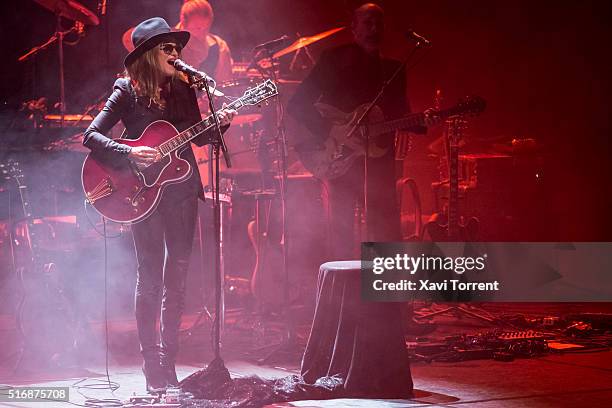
(163, 247)
(345, 193)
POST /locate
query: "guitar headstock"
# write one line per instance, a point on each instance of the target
(455, 125)
(258, 94)
(471, 106)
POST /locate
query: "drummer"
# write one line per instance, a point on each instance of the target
(205, 51)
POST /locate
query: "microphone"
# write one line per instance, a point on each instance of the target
(272, 44)
(419, 39)
(182, 66)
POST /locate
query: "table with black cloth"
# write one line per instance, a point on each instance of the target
(362, 342)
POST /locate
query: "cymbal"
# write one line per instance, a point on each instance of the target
(71, 10)
(479, 156)
(526, 145)
(126, 39)
(306, 41)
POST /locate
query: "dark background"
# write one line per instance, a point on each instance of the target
(543, 67)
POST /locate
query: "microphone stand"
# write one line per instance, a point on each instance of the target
(216, 369)
(366, 136)
(59, 37)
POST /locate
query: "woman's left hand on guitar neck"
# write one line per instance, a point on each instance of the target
(226, 115)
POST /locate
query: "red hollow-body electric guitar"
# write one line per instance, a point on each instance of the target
(125, 193)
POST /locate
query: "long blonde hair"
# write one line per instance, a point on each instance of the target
(144, 74)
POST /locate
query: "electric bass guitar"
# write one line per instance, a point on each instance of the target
(346, 143)
(125, 193)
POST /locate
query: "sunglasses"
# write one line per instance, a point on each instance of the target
(167, 48)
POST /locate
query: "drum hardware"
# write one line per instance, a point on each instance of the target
(36, 109)
(280, 137)
(73, 144)
(81, 16)
(244, 69)
(234, 173)
(225, 204)
(69, 120)
(98, 105)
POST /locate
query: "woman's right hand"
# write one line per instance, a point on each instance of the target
(144, 155)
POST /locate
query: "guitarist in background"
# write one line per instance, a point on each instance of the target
(153, 90)
(346, 77)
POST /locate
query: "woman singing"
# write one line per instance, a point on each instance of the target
(153, 90)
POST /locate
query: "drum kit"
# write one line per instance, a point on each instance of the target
(253, 187)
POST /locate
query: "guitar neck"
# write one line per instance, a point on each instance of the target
(416, 119)
(454, 135)
(27, 213)
(410, 121)
(194, 131)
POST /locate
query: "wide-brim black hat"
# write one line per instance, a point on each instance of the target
(150, 33)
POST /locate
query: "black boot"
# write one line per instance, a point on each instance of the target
(154, 376)
(169, 372)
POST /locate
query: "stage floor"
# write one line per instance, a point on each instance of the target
(565, 380)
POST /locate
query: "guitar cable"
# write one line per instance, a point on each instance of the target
(95, 384)
(95, 228)
(104, 383)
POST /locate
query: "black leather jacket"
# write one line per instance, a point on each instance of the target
(136, 114)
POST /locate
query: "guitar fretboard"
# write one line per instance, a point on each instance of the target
(194, 131)
(455, 127)
(410, 121)
(417, 119)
